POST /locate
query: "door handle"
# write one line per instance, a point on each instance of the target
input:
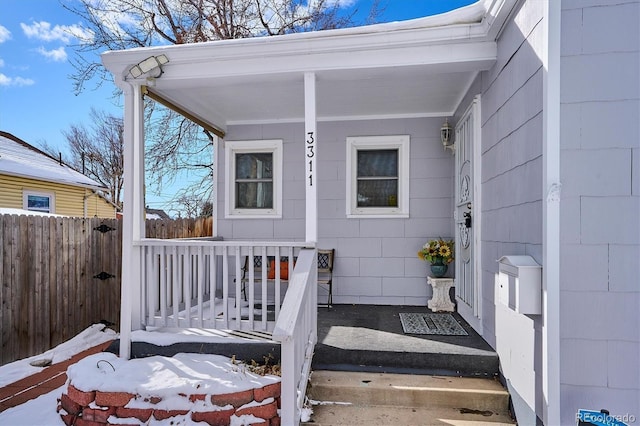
(467, 219)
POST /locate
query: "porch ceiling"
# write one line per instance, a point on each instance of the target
(341, 95)
(416, 68)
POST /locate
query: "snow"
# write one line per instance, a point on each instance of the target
(22, 212)
(19, 160)
(91, 336)
(165, 377)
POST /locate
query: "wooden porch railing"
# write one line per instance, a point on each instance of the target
(296, 330)
(197, 283)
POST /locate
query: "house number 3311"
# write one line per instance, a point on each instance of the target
(311, 144)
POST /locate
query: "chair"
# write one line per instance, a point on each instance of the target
(325, 272)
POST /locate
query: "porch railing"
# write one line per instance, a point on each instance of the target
(297, 333)
(199, 283)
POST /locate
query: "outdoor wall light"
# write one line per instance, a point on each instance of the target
(148, 65)
(446, 136)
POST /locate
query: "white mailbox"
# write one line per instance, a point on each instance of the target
(520, 281)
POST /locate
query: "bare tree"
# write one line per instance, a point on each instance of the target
(97, 151)
(175, 144)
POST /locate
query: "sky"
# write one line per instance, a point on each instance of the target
(37, 98)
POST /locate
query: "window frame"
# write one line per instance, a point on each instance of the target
(357, 143)
(28, 192)
(273, 146)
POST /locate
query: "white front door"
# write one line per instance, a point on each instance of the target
(467, 215)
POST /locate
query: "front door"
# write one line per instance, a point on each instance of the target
(467, 215)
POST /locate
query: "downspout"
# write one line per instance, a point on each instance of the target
(551, 213)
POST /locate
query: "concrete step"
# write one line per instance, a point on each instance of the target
(340, 397)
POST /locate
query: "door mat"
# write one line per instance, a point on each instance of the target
(441, 324)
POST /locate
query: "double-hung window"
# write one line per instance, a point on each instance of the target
(378, 176)
(253, 178)
(38, 201)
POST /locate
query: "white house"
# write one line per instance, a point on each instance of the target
(332, 139)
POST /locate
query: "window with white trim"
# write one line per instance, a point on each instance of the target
(38, 201)
(253, 184)
(378, 176)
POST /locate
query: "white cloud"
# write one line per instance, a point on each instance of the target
(15, 81)
(57, 55)
(5, 34)
(44, 31)
(1, 62)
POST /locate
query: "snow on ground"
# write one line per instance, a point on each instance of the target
(165, 377)
(91, 336)
(160, 376)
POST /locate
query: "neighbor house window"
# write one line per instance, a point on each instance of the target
(253, 178)
(38, 201)
(378, 176)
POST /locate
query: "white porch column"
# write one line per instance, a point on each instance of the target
(551, 213)
(310, 155)
(133, 215)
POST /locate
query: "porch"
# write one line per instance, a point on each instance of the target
(365, 338)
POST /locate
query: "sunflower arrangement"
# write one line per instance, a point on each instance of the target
(437, 250)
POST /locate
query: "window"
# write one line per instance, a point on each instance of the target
(253, 178)
(378, 176)
(38, 201)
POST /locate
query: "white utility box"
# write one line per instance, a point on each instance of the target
(520, 281)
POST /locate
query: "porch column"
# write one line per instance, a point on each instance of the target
(310, 153)
(133, 215)
(551, 213)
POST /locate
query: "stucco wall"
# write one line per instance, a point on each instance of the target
(376, 261)
(512, 197)
(600, 207)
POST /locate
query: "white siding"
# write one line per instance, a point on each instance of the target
(376, 259)
(512, 196)
(600, 230)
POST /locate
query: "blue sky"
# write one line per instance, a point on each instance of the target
(37, 100)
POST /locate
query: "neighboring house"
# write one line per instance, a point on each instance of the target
(34, 181)
(332, 139)
(157, 214)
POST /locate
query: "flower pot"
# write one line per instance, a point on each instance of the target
(438, 268)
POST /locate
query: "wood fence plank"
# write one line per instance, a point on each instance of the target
(48, 293)
(24, 290)
(5, 304)
(36, 330)
(46, 290)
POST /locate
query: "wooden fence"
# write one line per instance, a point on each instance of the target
(60, 274)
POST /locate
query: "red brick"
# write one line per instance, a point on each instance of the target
(153, 400)
(236, 399)
(113, 399)
(98, 415)
(141, 414)
(269, 391)
(81, 397)
(68, 419)
(213, 418)
(165, 414)
(69, 405)
(266, 411)
(275, 421)
(197, 397)
(82, 422)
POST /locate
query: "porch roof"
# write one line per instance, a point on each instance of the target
(417, 68)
